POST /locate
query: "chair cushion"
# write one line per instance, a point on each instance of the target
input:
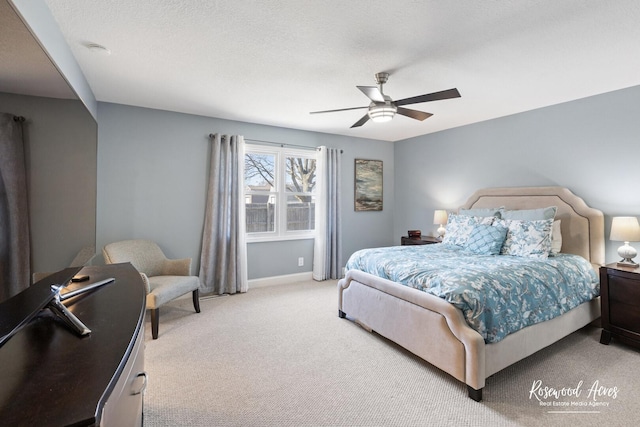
(166, 288)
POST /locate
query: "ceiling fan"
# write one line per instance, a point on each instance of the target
(383, 108)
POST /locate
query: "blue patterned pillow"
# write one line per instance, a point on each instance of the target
(486, 239)
(527, 238)
(482, 212)
(459, 227)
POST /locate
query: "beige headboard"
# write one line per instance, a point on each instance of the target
(582, 226)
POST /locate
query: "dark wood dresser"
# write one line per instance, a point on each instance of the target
(620, 304)
(51, 376)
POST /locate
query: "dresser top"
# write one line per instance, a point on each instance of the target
(51, 376)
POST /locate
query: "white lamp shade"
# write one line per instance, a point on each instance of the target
(625, 229)
(440, 217)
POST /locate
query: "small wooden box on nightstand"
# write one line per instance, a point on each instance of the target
(620, 304)
(423, 240)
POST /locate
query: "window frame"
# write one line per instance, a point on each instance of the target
(280, 193)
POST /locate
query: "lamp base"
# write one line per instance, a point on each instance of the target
(627, 253)
(628, 262)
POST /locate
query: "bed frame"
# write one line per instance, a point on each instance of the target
(436, 331)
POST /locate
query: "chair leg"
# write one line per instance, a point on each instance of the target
(196, 300)
(155, 319)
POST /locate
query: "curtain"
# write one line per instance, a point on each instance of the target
(14, 217)
(223, 261)
(327, 251)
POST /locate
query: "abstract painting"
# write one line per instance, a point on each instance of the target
(368, 177)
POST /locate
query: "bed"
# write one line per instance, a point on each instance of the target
(436, 330)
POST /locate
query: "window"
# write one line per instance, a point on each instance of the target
(279, 190)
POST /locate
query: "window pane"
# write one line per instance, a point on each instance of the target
(260, 171)
(300, 174)
(260, 212)
(301, 212)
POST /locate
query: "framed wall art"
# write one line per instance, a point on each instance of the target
(368, 187)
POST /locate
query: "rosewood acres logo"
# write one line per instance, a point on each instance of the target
(573, 399)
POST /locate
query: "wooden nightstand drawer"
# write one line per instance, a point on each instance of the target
(624, 295)
(620, 303)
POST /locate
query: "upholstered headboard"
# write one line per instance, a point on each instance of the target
(582, 226)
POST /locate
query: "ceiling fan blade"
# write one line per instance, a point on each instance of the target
(435, 96)
(372, 92)
(340, 109)
(414, 114)
(362, 121)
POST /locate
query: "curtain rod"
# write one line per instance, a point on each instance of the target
(281, 144)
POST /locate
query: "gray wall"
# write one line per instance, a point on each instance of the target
(37, 17)
(61, 148)
(152, 172)
(591, 146)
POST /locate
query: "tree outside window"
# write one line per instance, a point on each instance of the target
(279, 191)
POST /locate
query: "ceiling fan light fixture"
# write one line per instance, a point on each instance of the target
(382, 108)
(382, 112)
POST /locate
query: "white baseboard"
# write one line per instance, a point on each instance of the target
(280, 280)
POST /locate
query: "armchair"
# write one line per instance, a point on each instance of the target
(165, 279)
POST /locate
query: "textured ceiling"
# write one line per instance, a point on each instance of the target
(272, 62)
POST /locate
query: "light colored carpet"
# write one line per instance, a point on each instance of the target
(281, 356)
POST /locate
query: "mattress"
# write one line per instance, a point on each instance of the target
(497, 294)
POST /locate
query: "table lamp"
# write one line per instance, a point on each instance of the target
(626, 229)
(440, 218)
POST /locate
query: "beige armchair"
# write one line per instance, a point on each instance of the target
(166, 279)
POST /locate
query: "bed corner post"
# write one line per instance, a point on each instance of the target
(474, 394)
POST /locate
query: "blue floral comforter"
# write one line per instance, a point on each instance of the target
(498, 294)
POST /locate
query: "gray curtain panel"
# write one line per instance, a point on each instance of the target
(14, 217)
(223, 261)
(327, 258)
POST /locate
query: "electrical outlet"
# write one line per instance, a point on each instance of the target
(300, 262)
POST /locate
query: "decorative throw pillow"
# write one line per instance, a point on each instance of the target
(556, 238)
(527, 238)
(530, 214)
(486, 239)
(459, 227)
(481, 212)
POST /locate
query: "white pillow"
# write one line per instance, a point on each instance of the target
(556, 238)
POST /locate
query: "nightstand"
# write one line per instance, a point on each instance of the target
(424, 240)
(620, 304)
